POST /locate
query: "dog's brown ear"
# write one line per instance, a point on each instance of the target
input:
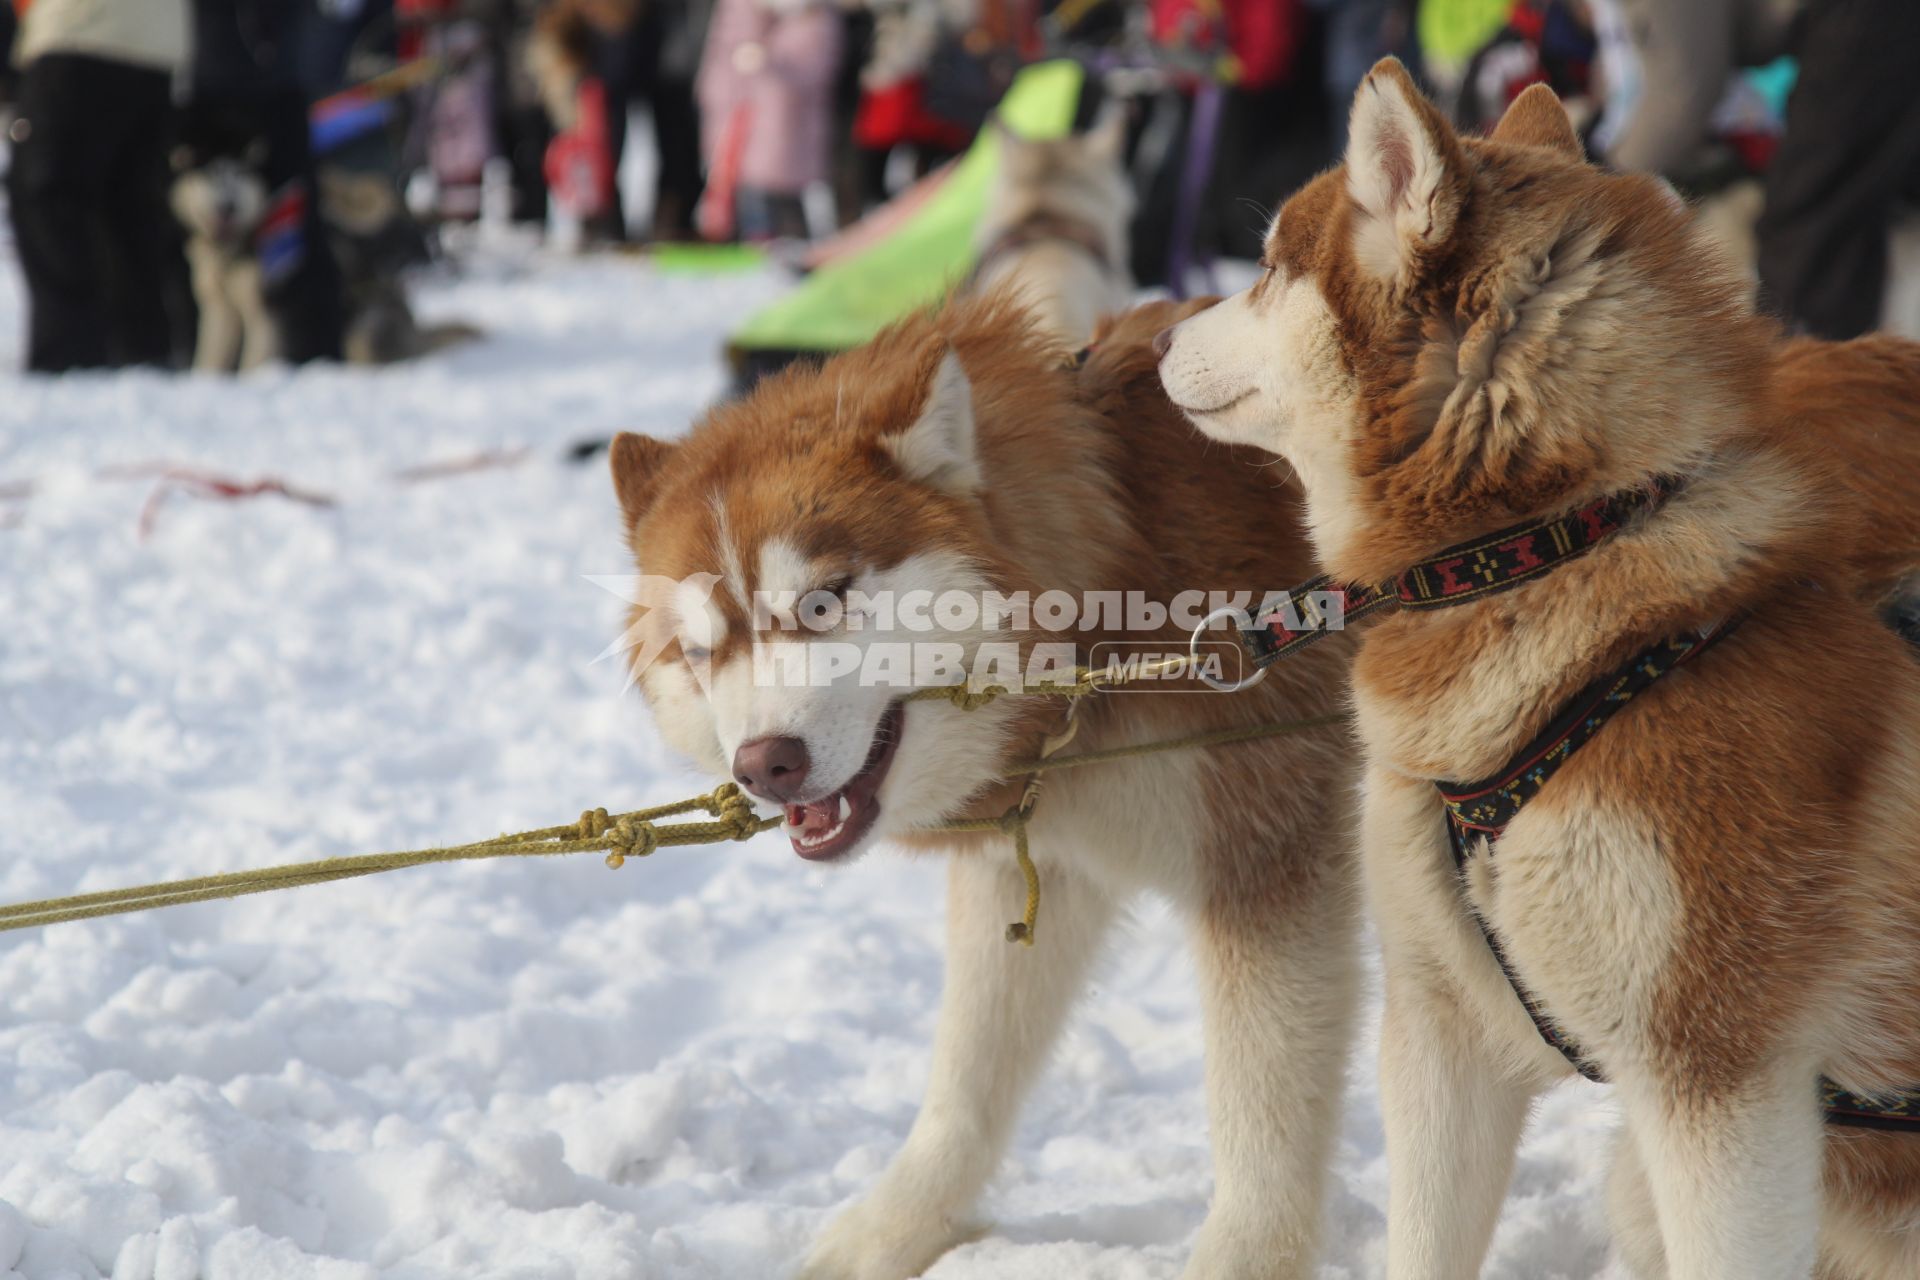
(1406, 173)
(636, 462)
(1536, 119)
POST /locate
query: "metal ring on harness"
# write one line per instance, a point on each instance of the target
(1243, 623)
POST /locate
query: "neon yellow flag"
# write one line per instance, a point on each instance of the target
(846, 303)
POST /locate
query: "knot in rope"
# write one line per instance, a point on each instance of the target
(970, 699)
(593, 824)
(732, 809)
(631, 838)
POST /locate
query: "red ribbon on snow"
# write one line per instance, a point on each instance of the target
(208, 484)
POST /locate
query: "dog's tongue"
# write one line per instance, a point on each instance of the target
(812, 819)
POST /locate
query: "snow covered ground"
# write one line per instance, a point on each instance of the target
(526, 1070)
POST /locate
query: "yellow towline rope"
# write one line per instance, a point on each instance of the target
(639, 833)
(627, 835)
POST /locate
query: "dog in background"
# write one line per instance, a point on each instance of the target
(224, 202)
(1055, 226)
(1717, 898)
(960, 453)
(375, 242)
(220, 200)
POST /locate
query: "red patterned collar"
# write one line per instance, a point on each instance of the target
(1461, 574)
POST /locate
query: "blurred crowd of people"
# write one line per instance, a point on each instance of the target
(788, 118)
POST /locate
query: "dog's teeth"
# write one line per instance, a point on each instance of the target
(846, 809)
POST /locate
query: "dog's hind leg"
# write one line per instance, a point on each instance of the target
(1278, 961)
(1734, 1172)
(1003, 1007)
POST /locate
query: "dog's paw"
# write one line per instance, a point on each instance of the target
(877, 1241)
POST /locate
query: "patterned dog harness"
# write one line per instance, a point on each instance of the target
(1459, 575)
(1480, 811)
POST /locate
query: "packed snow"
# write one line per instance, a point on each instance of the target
(536, 1069)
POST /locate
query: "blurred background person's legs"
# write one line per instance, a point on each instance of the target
(859, 172)
(86, 194)
(623, 54)
(676, 30)
(652, 59)
(87, 179)
(9, 74)
(619, 52)
(1850, 155)
(766, 215)
(144, 258)
(521, 123)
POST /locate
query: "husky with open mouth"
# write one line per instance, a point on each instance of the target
(1531, 406)
(962, 454)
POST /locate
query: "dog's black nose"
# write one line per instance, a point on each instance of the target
(1162, 341)
(772, 768)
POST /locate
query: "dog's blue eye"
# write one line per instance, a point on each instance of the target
(694, 652)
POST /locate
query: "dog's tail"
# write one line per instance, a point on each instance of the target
(1856, 406)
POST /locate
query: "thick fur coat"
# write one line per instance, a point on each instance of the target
(961, 452)
(1718, 898)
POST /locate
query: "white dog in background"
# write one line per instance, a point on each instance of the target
(220, 200)
(1056, 224)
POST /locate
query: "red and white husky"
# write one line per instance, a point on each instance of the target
(960, 454)
(1718, 897)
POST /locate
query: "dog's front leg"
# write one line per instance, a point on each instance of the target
(216, 347)
(1002, 1009)
(1279, 976)
(1453, 1122)
(261, 341)
(1733, 1170)
(1452, 1102)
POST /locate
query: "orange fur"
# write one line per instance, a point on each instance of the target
(1089, 481)
(1719, 896)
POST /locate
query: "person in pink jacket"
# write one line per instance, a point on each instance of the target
(766, 102)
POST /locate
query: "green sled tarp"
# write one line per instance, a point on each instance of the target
(846, 303)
